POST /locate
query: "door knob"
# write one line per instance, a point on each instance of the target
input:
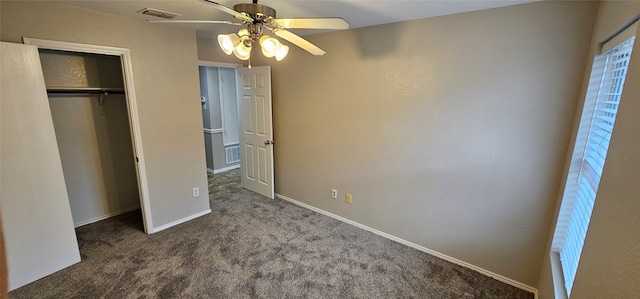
(269, 142)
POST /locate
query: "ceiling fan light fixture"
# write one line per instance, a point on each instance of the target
(257, 18)
(282, 52)
(228, 42)
(270, 46)
(242, 54)
(243, 49)
(243, 32)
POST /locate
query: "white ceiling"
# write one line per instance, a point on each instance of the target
(359, 13)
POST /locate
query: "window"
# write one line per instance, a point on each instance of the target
(587, 162)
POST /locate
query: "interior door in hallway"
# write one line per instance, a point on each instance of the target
(256, 138)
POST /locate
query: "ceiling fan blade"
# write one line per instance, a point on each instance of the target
(312, 23)
(299, 41)
(194, 22)
(230, 11)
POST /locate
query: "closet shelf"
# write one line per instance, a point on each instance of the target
(85, 90)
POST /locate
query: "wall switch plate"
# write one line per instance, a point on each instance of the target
(196, 192)
(334, 193)
(347, 198)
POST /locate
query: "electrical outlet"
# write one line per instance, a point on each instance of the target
(334, 193)
(196, 192)
(347, 198)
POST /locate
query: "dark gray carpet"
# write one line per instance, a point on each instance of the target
(253, 247)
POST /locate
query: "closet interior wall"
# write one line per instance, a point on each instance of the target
(93, 133)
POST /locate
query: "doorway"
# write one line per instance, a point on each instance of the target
(220, 117)
(249, 92)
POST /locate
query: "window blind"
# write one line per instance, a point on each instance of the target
(589, 155)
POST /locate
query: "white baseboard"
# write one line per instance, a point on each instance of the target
(92, 220)
(216, 171)
(209, 170)
(485, 272)
(179, 221)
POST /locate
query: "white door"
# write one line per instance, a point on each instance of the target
(256, 137)
(38, 227)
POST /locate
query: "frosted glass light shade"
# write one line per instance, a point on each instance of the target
(228, 42)
(270, 46)
(282, 52)
(242, 51)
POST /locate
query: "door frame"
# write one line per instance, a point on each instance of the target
(240, 125)
(132, 107)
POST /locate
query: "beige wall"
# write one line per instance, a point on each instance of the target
(610, 264)
(165, 74)
(97, 155)
(67, 69)
(450, 132)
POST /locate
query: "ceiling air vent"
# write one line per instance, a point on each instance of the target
(158, 13)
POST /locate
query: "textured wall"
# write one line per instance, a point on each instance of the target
(66, 69)
(97, 155)
(165, 74)
(610, 262)
(450, 132)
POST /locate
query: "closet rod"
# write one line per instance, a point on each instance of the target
(84, 90)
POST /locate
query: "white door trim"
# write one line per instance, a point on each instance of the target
(132, 107)
(221, 103)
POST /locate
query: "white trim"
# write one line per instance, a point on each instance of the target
(180, 221)
(73, 47)
(232, 144)
(498, 277)
(132, 107)
(210, 170)
(218, 64)
(556, 274)
(221, 103)
(220, 170)
(109, 215)
(213, 131)
(221, 96)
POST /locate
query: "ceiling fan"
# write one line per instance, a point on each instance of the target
(258, 17)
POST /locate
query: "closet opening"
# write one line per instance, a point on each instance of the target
(89, 110)
(94, 111)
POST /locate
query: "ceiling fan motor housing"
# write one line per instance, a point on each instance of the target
(257, 11)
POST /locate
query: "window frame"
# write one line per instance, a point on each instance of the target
(599, 79)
